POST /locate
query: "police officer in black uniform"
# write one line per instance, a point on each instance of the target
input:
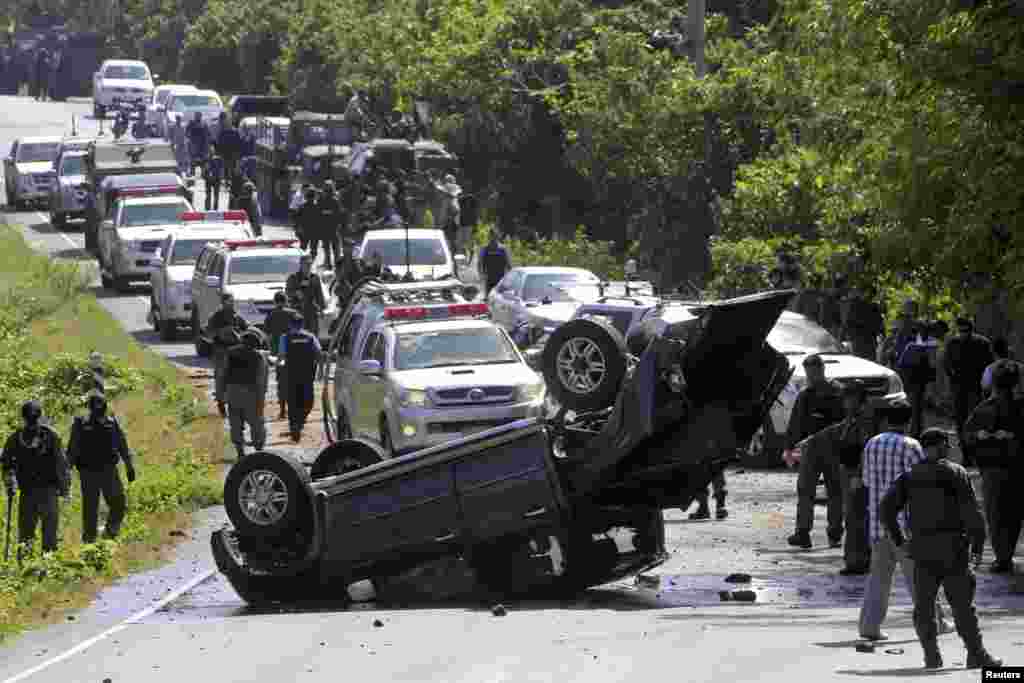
(945, 528)
(306, 287)
(817, 406)
(246, 379)
(301, 353)
(994, 432)
(34, 462)
(277, 324)
(306, 220)
(96, 446)
(217, 326)
(330, 215)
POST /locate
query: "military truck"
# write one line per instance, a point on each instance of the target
(309, 147)
(389, 157)
(108, 158)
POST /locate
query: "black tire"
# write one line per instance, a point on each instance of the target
(284, 478)
(582, 343)
(347, 455)
(202, 348)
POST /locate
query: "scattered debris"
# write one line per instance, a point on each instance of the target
(738, 577)
(322, 643)
(377, 623)
(177, 533)
(894, 651)
(865, 647)
(71, 617)
(744, 596)
(499, 610)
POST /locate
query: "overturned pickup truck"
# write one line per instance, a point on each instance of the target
(554, 504)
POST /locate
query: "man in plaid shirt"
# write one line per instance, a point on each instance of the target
(886, 457)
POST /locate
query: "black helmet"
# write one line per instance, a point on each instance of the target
(253, 339)
(934, 436)
(1005, 374)
(31, 410)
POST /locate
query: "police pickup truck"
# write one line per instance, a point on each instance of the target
(175, 260)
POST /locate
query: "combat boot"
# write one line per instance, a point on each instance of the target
(979, 657)
(703, 512)
(720, 511)
(801, 539)
(932, 656)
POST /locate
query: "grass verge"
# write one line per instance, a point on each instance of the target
(49, 323)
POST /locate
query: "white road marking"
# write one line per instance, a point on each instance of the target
(134, 619)
(46, 219)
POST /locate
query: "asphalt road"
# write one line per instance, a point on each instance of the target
(183, 622)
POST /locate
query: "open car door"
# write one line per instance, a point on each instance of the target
(695, 398)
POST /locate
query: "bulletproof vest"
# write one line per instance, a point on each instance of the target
(277, 324)
(824, 408)
(35, 463)
(494, 262)
(245, 365)
(301, 356)
(97, 443)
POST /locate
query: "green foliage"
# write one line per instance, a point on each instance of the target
(579, 252)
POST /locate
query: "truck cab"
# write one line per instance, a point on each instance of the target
(129, 240)
(121, 80)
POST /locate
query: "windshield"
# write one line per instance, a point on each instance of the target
(799, 335)
(422, 252)
(183, 102)
(133, 73)
(186, 252)
(265, 268)
(152, 214)
(37, 151)
(561, 287)
(73, 166)
(477, 346)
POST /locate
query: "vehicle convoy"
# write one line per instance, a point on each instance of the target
(129, 240)
(175, 260)
(415, 370)
(124, 80)
(149, 164)
(29, 175)
(67, 198)
(253, 271)
(534, 504)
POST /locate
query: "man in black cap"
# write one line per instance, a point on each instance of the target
(246, 377)
(277, 324)
(817, 406)
(306, 214)
(96, 446)
(965, 358)
(945, 527)
(301, 353)
(330, 213)
(34, 462)
(993, 432)
(217, 326)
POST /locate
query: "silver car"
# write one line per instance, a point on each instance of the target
(541, 296)
(29, 176)
(413, 377)
(67, 200)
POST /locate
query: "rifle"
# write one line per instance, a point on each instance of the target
(7, 534)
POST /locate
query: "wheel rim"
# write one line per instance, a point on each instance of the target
(263, 497)
(581, 365)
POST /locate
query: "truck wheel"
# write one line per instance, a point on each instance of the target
(202, 348)
(263, 495)
(584, 363)
(345, 456)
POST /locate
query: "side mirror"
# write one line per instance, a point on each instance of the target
(212, 281)
(369, 367)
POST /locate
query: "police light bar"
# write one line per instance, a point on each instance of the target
(144, 191)
(424, 312)
(235, 244)
(222, 216)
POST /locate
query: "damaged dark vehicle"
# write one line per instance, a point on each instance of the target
(551, 505)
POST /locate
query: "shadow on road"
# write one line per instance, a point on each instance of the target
(897, 673)
(101, 292)
(854, 643)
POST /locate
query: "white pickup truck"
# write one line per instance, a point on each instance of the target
(171, 303)
(124, 80)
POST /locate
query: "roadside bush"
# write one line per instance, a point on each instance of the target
(580, 252)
